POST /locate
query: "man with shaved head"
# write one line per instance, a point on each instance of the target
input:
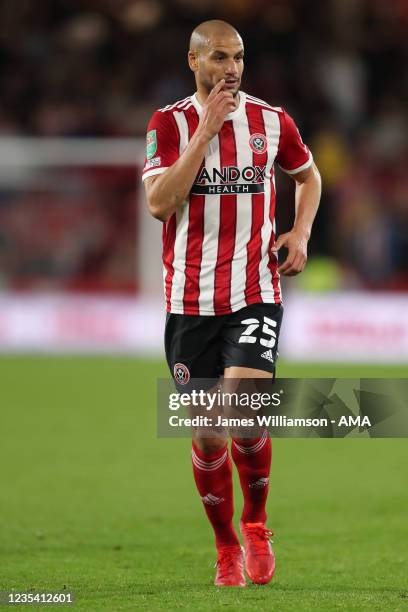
(209, 178)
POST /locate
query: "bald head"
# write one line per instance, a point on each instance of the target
(216, 53)
(212, 32)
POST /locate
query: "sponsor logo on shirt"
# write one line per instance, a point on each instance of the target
(152, 163)
(225, 181)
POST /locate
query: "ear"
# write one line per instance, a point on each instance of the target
(193, 60)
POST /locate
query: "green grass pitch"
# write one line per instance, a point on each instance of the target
(92, 502)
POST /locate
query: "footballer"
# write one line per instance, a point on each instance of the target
(209, 178)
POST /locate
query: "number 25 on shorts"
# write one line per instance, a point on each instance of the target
(252, 325)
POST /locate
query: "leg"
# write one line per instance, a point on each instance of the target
(246, 335)
(252, 457)
(212, 471)
(192, 354)
(213, 477)
(250, 352)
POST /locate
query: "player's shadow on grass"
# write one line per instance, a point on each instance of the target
(338, 590)
(140, 589)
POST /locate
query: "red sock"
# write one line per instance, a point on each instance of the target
(213, 477)
(253, 461)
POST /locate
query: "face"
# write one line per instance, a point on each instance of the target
(221, 59)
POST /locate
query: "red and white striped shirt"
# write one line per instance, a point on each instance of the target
(217, 250)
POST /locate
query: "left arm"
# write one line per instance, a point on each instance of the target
(307, 198)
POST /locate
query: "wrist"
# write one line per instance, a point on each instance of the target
(302, 231)
(202, 136)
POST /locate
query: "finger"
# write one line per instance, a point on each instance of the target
(290, 272)
(216, 89)
(293, 265)
(280, 242)
(218, 105)
(225, 107)
(286, 265)
(220, 97)
(219, 85)
(298, 264)
(228, 105)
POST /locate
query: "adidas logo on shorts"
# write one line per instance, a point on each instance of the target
(268, 355)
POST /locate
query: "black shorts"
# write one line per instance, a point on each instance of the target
(200, 347)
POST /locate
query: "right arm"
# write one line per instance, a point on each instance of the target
(166, 192)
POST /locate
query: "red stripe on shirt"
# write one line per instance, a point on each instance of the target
(254, 247)
(195, 237)
(228, 223)
(273, 260)
(169, 238)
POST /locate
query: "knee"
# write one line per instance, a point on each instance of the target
(208, 446)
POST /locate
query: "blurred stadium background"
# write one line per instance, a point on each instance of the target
(79, 256)
(90, 500)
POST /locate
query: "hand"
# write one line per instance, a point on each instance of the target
(216, 107)
(296, 243)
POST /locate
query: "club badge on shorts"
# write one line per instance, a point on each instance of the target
(181, 373)
(257, 142)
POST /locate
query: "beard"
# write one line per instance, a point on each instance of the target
(208, 86)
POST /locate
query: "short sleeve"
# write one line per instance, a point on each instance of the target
(293, 155)
(162, 144)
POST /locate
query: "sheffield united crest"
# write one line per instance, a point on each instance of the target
(257, 142)
(181, 373)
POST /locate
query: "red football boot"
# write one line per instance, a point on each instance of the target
(230, 566)
(259, 557)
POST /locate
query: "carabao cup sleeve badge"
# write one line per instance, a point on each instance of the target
(151, 144)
